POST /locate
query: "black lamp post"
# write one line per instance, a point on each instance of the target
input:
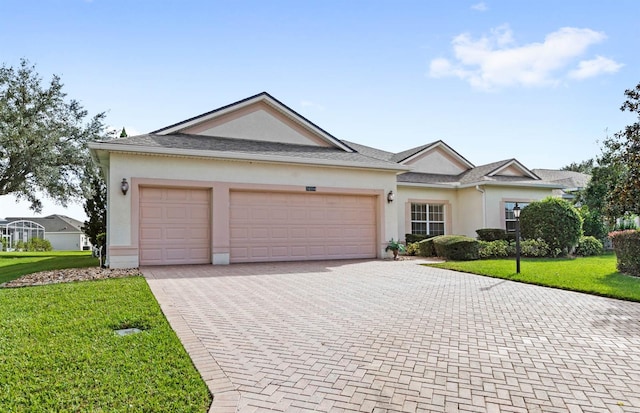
(516, 214)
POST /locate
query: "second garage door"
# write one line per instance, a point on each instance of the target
(275, 226)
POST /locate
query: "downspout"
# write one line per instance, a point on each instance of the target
(484, 206)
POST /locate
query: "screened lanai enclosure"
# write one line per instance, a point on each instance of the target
(18, 231)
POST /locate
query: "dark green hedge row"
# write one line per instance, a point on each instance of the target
(626, 245)
(450, 247)
(411, 238)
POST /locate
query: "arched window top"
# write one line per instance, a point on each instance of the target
(25, 224)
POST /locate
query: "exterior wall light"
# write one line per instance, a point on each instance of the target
(390, 197)
(516, 214)
(124, 186)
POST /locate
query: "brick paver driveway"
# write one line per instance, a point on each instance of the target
(382, 336)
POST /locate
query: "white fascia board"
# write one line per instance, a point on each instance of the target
(240, 156)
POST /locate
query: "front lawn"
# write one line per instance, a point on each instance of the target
(16, 264)
(59, 351)
(593, 275)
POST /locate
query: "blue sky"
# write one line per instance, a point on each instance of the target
(539, 81)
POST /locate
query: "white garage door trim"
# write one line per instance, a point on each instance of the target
(294, 226)
(175, 226)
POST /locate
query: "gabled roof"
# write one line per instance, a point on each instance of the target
(53, 223)
(409, 154)
(488, 174)
(229, 148)
(263, 97)
(492, 170)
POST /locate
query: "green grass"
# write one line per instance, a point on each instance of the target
(59, 351)
(16, 264)
(593, 275)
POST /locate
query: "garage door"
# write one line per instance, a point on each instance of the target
(175, 226)
(291, 227)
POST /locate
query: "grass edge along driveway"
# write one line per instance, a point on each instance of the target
(593, 275)
(59, 351)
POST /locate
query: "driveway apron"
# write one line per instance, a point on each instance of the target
(384, 336)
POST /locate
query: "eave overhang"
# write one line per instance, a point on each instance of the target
(100, 151)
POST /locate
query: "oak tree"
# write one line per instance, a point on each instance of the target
(622, 154)
(43, 138)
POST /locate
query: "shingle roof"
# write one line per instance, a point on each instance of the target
(401, 156)
(371, 152)
(479, 172)
(53, 223)
(570, 179)
(424, 178)
(477, 175)
(245, 146)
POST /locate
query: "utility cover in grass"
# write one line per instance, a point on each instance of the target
(127, 331)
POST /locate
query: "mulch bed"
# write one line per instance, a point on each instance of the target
(69, 275)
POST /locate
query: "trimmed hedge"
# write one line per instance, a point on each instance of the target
(626, 245)
(588, 246)
(456, 247)
(426, 248)
(554, 220)
(491, 234)
(537, 248)
(494, 249)
(411, 238)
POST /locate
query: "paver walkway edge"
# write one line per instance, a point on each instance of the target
(225, 395)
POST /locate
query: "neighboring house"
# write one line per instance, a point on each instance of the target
(64, 233)
(255, 181)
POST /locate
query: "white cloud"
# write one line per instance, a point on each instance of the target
(595, 67)
(480, 6)
(496, 61)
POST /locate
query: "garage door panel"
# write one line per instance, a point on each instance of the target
(301, 226)
(199, 234)
(178, 212)
(199, 213)
(318, 233)
(151, 254)
(199, 253)
(279, 233)
(260, 214)
(299, 234)
(175, 226)
(176, 194)
(151, 232)
(150, 212)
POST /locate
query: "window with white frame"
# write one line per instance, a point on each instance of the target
(509, 218)
(427, 219)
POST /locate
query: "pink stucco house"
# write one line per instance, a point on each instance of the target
(255, 181)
